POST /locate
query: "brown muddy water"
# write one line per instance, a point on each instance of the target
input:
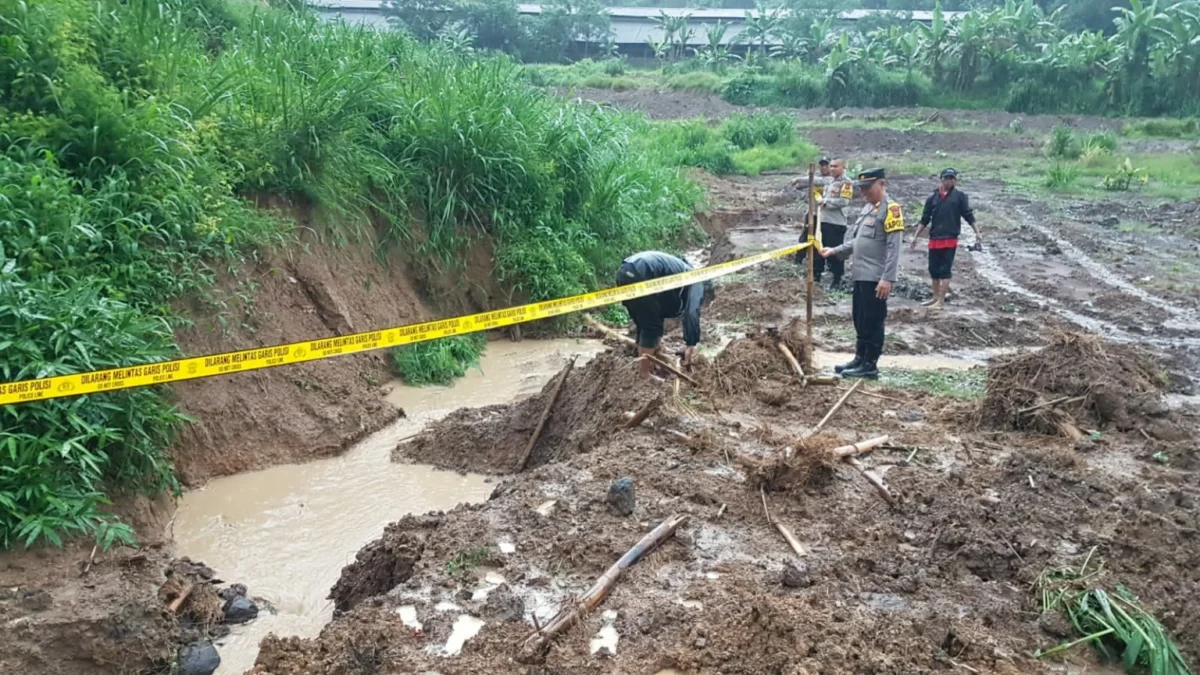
(286, 532)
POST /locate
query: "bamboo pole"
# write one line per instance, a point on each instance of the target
(182, 598)
(824, 380)
(791, 359)
(874, 480)
(642, 414)
(677, 372)
(591, 321)
(780, 527)
(568, 616)
(834, 409)
(859, 447)
(541, 425)
(812, 228)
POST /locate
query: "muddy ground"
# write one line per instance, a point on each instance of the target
(942, 578)
(941, 581)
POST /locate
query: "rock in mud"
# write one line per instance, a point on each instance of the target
(199, 658)
(240, 609)
(620, 496)
(233, 591)
(795, 575)
(1053, 249)
(503, 605)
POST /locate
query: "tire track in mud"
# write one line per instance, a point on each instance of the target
(1185, 319)
(989, 267)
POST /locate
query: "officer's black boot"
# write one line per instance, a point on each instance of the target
(859, 350)
(868, 368)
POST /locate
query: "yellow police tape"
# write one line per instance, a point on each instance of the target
(299, 352)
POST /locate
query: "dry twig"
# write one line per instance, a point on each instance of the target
(537, 432)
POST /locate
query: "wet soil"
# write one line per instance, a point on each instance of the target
(941, 578)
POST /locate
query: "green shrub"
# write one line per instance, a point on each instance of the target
(1122, 179)
(1062, 144)
(607, 82)
(614, 67)
(699, 81)
(1061, 175)
(1104, 141)
(438, 361)
(748, 89)
(747, 131)
(1162, 128)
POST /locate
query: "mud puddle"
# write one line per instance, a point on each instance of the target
(286, 532)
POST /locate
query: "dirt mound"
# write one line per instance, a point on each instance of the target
(493, 439)
(384, 563)
(746, 365)
(1076, 381)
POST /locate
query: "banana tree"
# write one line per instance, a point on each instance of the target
(1138, 27)
(716, 54)
(935, 39)
(760, 26)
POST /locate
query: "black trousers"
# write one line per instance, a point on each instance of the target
(831, 235)
(870, 314)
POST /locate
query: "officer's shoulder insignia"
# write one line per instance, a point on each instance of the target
(847, 190)
(894, 222)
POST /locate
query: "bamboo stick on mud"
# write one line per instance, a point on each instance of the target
(836, 406)
(1050, 404)
(874, 480)
(859, 447)
(874, 395)
(780, 527)
(679, 436)
(182, 598)
(541, 425)
(642, 414)
(570, 615)
(677, 372)
(791, 359)
(827, 381)
(591, 321)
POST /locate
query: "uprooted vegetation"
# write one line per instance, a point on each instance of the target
(1077, 382)
(943, 571)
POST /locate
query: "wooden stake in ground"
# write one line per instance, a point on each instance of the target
(859, 447)
(537, 432)
(791, 359)
(670, 368)
(828, 381)
(642, 414)
(783, 529)
(585, 603)
(834, 409)
(812, 252)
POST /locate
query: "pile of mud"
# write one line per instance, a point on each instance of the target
(1076, 382)
(493, 439)
(755, 362)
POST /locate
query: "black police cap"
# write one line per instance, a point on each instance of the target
(949, 173)
(825, 160)
(869, 176)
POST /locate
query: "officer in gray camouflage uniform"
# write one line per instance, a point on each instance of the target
(835, 202)
(820, 181)
(875, 245)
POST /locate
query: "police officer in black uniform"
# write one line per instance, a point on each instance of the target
(875, 245)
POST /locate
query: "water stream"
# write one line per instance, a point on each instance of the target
(286, 532)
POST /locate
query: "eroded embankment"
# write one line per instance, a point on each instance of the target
(944, 575)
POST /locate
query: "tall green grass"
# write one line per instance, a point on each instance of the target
(742, 144)
(134, 135)
(438, 361)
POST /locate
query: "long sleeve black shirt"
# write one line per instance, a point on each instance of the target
(649, 312)
(947, 213)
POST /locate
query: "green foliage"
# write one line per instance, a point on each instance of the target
(614, 315)
(1111, 619)
(1062, 144)
(438, 361)
(465, 561)
(1162, 128)
(960, 384)
(699, 81)
(1061, 176)
(747, 131)
(131, 134)
(1121, 179)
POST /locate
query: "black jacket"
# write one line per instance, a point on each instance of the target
(947, 214)
(649, 312)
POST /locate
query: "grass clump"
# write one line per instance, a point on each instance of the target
(1163, 128)
(1061, 176)
(1111, 620)
(966, 385)
(743, 144)
(698, 81)
(1062, 144)
(438, 361)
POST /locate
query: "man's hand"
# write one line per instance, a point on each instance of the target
(689, 353)
(912, 245)
(883, 289)
(825, 252)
